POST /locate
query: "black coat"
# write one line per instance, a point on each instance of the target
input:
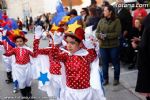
(125, 19)
(143, 62)
(93, 21)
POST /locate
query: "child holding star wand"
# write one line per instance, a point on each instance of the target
(54, 65)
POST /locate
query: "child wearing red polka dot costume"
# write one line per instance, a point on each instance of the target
(54, 65)
(77, 61)
(7, 60)
(22, 72)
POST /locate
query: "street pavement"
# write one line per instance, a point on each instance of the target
(124, 91)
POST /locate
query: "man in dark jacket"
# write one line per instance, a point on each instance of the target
(126, 24)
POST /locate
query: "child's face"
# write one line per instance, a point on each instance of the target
(19, 42)
(72, 45)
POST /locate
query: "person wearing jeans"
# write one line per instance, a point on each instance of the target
(106, 54)
(107, 33)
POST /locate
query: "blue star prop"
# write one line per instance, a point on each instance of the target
(60, 13)
(43, 77)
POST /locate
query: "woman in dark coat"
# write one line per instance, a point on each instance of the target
(143, 81)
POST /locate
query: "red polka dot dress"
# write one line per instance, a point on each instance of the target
(54, 68)
(77, 68)
(7, 47)
(55, 65)
(77, 71)
(21, 68)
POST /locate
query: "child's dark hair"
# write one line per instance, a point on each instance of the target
(23, 38)
(76, 39)
(73, 12)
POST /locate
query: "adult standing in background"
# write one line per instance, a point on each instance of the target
(105, 3)
(107, 32)
(143, 80)
(126, 23)
(125, 17)
(98, 9)
(85, 15)
(27, 23)
(93, 18)
(20, 24)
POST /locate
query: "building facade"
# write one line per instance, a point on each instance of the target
(23, 8)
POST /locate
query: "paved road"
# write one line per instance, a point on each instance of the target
(124, 91)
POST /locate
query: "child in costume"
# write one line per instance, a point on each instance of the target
(78, 61)
(22, 71)
(7, 60)
(54, 65)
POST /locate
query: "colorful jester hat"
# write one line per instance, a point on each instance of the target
(75, 30)
(56, 29)
(17, 33)
(64, 20)
(79, 33)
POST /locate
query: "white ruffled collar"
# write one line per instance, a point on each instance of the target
(81, 52)
(25, 47)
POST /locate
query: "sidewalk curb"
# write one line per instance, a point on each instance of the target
(126, 86)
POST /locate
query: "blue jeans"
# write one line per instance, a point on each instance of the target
(107, 55)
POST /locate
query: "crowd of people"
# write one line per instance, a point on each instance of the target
(119, 36)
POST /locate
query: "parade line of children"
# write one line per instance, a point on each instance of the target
(76, 81)
(73, 65)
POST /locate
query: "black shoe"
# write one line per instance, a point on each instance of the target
(148, 98)
(24, 94)
(29, 94)
(116, 82)
(9, 78)
(8, 81)
(105, 82)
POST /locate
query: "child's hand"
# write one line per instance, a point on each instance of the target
(88, 44)
(57, 38)
(38, 32)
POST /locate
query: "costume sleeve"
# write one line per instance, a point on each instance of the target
(36, 49)
(31, 53)
(59, 55)
(91, 56)
(10, 53)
